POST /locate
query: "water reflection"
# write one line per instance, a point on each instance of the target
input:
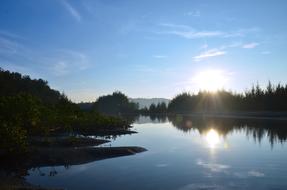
(142, 119)
(256, 129)
(212, 138)
(185, 153)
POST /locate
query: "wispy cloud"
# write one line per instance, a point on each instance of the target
(10, 34)
(204, 46)
(196, 34)
(10, 44)
(72, 10)
(175, 26)
(193, 13)
(144, 69)
(250, 45)
(209, 53)
(231, 45)
(241, 32)
(159, 56)
(66, 61)
(15, 55)
(57, 62)
(60, 68)
(188, 32)
(219, 51)
(265, 52)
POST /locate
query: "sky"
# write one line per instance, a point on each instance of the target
(145, 48)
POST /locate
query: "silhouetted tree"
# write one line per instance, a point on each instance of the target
(117, 103)
(272, 98)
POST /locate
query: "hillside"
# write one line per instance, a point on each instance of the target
(13, 83)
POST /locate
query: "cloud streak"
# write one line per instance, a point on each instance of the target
(72, 10)
(265, 52)
(188, 32)
(193, 13)
(57, 62)
(10, 45)
(250, 45)
(208, 54)
(159, 56)
(67, 61)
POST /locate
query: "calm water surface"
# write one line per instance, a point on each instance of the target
(184, 155)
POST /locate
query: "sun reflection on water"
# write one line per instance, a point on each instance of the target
(212, 138)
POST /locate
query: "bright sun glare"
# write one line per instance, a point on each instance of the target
(210, 80)
(212, 138)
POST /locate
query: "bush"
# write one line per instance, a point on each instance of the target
(13, 139)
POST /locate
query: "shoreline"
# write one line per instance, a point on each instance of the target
(282, 116)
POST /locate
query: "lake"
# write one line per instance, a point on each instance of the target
(184, 153)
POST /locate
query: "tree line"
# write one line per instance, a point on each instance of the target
(160, 108)
(30, 107)
(271, 98)
(118, 103)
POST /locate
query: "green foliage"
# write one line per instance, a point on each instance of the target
(92, 121)
(13, 139)
(13, 83)
(117, 103)
(30, 107)
(22, 110)
(20, 115)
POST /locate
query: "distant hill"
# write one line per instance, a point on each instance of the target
(146, 102)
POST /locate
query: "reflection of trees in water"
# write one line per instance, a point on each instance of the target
(148, 118)
(274, 130)
(158, 118)
(51, 172)
(129, 118)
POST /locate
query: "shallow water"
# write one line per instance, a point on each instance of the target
(184, 153)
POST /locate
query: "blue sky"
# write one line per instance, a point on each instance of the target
(148, 48)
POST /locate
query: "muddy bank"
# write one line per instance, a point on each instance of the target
(70, 141)
(64, 151)
(75, 156)
(18, 183)
(14, 168)
(59, 150)
(107, 132)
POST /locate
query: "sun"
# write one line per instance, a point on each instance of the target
(210, 80)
